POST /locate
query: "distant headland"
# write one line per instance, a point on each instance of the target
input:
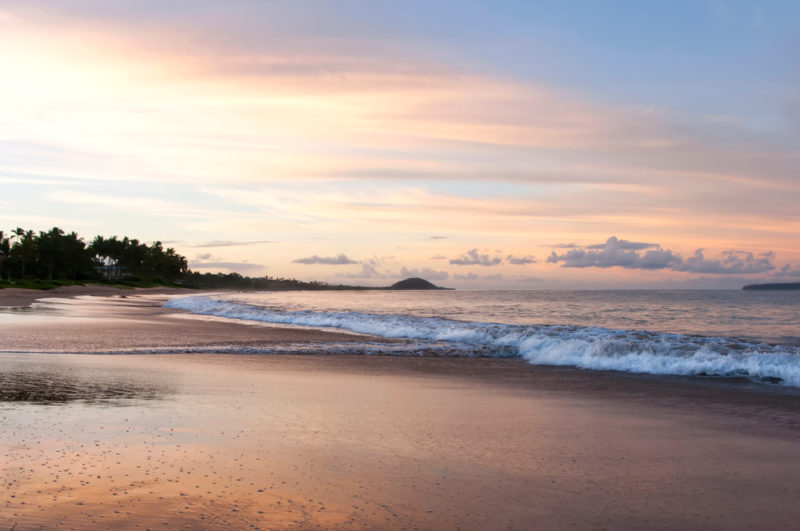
(415, 284)
(774, 286)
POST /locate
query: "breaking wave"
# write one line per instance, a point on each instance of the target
(637, 351)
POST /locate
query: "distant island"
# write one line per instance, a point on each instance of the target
(51, 259)
(415, 284)
(774, 286)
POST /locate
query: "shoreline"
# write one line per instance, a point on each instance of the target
(344, 441)
(128, 315)
(19, 297)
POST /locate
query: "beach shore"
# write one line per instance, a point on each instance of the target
(241, 441)
(25, 297)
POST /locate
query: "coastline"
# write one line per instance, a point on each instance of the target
(276, 441)
(25, 297)
(103, 322)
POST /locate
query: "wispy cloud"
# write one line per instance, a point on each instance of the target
(371, 271)
(368, 271)
(426, 273)
(339, 259)
(788, 271)
(238, 267)
(731, 263)
(266, 122)
(141, 205)
(230, 243)
(624, 245)
(528, 278)
(473, 257)
(520, 260)
(475, 276)
(295, 97)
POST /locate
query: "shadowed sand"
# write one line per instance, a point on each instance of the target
(224, 441)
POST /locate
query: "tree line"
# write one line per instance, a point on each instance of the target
(235, 281)
(56, 255)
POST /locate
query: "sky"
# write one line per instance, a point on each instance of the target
(477, 144)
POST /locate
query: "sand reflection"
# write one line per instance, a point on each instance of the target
(54, 388)
(24, 379)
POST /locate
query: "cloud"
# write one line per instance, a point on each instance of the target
(229, 243)
(624, 245)
(622, 253)
(426, 273)
(732, 262)
(339, 259)
(139, 204)
(367, 271)
(474, 276)
(787, 271)
(437, 238)
(520, 260)
(238, 267)
(439, 257)
(528, 279)
(472, 257)
(322, 108)
(658, 259)
(615, 253)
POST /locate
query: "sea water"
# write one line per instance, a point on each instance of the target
(713, 333)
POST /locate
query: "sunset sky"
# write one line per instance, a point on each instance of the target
(501, 145)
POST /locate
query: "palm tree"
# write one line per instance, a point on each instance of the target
(5, 251)
(73, 253)
(25, 247)
(50, 249)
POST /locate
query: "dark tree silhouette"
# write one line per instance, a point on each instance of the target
(5, 252)
(55, 255)
(25, 248)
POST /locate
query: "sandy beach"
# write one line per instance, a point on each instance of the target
(234, 441)
(25, 297)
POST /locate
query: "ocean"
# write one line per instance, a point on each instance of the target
(741, 334)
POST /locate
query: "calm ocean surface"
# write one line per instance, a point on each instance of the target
(721, 333)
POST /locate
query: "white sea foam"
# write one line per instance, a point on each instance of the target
(584, 347)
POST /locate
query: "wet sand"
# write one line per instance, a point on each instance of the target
(25, 297)
(219, 441)
(112, 324)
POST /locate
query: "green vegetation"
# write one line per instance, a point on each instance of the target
(236, 281)
(46, 260)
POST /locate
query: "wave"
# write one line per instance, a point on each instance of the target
(637, 351)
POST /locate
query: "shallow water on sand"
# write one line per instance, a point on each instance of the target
(235, 441)
(61, 381)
